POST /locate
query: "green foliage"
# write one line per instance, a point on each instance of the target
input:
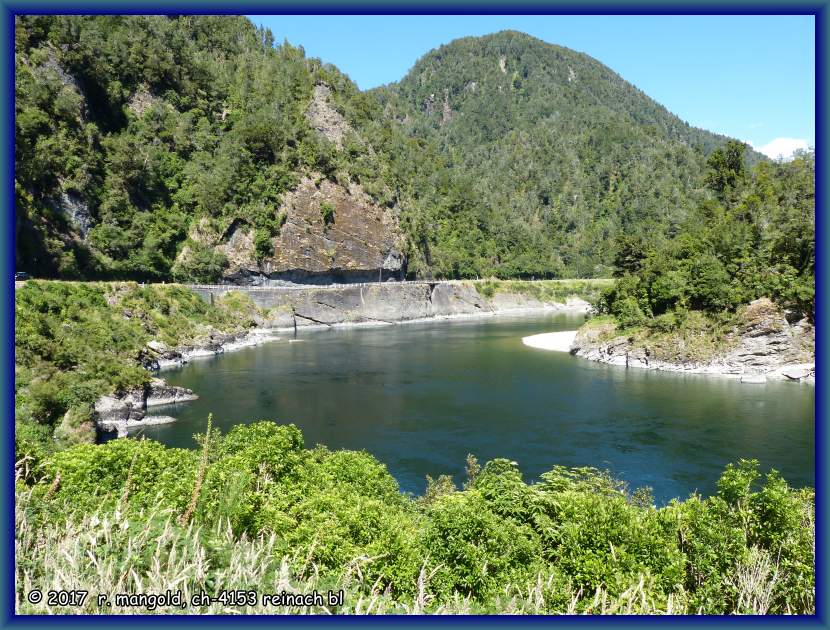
(202, 264)
(475, 551)
(756, 240)
(327, 213)
(552, 156)
(77, 341)
(725, 167)
(339, 516)
(149, 124)
(558, 291)
(144, 127)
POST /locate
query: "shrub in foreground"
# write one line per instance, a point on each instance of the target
(268, 513)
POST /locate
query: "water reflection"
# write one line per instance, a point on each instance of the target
(422, 396)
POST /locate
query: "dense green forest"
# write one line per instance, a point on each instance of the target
(754, 237)
(563, 153)
(142, 124)
(502, 155)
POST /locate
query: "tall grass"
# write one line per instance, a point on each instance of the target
(550, 291)
(114, 551)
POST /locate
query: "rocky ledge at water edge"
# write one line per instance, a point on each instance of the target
(764, 346)
(126, 410)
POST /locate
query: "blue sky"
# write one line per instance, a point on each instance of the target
(750, 77)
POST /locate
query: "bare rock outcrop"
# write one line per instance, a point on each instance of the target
(76, 211)
(331, 233)
(126, 410)
(324, 119)
(763, 346)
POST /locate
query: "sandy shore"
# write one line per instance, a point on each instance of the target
(557, 341)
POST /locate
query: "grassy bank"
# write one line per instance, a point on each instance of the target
(76, 341)
(696, 338)
(558, 291)
(256, 510)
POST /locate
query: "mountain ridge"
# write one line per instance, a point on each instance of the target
(142, 140)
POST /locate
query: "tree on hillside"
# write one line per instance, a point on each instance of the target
(725, 167)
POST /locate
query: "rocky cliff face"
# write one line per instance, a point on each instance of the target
(387, 303)
(331, 233)
(763, 345)
(324, 119)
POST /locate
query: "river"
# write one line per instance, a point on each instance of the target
(421, 396)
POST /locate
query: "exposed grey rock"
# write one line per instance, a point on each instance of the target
(386, 302)
(796, 373)
(767, 347)
(69, 82)
(275, 318)
(457, 299)
(75, 210)
(129, 409)
(124, 428)
(363, 242)
(130, 405)
(163, 394)
(217, 343)
(157, 346)
(324, 119)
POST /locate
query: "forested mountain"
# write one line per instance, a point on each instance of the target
(154, 147)
(563, 153)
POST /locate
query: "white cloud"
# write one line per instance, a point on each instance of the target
(783, 147)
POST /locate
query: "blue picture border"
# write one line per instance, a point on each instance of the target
(8, 9)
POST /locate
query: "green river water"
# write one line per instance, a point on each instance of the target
(421, 396)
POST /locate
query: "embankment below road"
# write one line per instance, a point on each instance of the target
(395, 302)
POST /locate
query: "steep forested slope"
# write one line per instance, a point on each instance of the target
(756, 238)
(154, 147)
(562, 151)
(145, 143)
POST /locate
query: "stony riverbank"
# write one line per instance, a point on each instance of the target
(762, 346)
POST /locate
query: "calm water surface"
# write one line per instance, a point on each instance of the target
(421, 396)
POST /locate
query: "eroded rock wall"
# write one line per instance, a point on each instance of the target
(378, 302)
(331, 233)
(126, 410)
